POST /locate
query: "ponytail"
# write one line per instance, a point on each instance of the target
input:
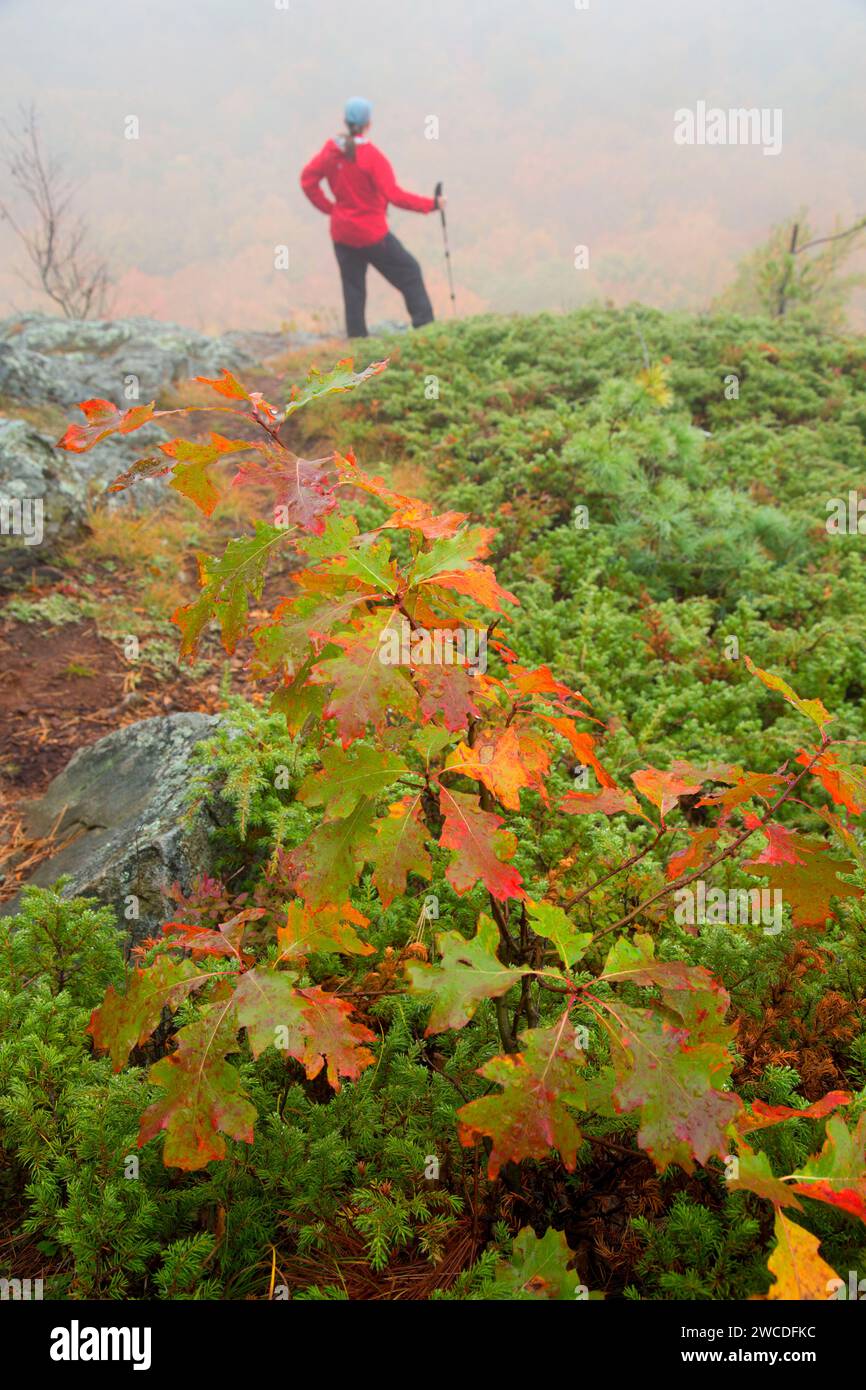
(347, 142)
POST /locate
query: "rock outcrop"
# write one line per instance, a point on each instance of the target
(124, 800)
(47, 361)
(64, 361)
(42, 499)
(44, 484)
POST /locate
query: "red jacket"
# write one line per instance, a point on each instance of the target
(362, 188)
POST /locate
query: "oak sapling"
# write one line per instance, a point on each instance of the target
(421, 768)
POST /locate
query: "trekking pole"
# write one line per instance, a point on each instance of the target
(437, 193)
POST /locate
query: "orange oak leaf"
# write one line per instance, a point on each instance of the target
(610, 801)
(747, 785)
(541, 681)
(798, 1271)
(419, 516)
(583, 745)
(327, 928)
(808, 886)
(193, 459)
(104, 418)
(503, 762)
(226, 385)
(694, 853)
(409, 514)
(664, 789)
(477, 582)
(846, 785)
(763, 1114)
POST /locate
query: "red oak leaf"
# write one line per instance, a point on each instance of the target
(481, 847)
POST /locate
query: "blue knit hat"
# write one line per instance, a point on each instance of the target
(358, 111)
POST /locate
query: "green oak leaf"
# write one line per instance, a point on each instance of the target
(450, 553)
(396, 846)
(538, 1269)
(324, 864)
(551, 922)
(347, 776)
(125, 1021)
(227, 584)
(673, 1072)
(343, 377)
(468, 972)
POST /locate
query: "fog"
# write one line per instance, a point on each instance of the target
(555, 129)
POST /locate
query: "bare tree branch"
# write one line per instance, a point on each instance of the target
(57, 247)
(819, 241)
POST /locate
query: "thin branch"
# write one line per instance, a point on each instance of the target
(627, 864)
(819, 241)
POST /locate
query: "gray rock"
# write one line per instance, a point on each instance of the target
(386, 326)
(42, 499)
(69, 360)
(45, 360)
(262, 344)
(45, 492)
(124, 798)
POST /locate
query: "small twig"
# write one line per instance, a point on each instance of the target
(627, 864)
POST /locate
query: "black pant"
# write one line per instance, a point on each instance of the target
(400, 269)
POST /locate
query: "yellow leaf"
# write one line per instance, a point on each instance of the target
(796, 1266)
(813, 709)
(654, 381)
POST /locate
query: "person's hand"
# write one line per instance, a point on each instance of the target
(441, 200)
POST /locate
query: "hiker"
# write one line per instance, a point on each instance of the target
(363, 184)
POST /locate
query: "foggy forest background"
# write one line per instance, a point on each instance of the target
(555, 129)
